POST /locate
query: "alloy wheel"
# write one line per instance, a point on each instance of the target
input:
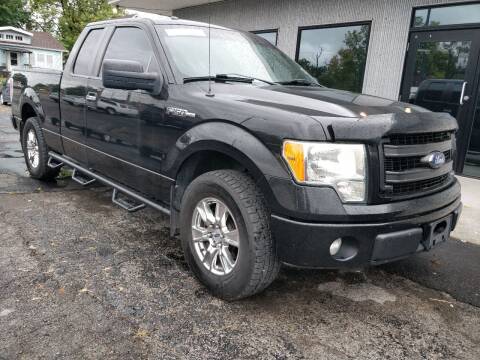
(215, 236)
(33, 154)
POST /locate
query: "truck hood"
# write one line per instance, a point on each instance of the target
(309, 100)
(342, 114)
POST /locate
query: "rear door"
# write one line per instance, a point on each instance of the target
(73, 93)
(125, 127)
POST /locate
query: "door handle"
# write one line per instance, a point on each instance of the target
(91, 97)
(463, 98)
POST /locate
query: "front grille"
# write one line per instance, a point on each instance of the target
(418, 139)
(412, 162)
(418, 186)
(404, 173)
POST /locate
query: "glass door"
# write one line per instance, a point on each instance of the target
(472, 158)
(440, 75)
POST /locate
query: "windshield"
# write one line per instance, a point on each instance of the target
(232, 52)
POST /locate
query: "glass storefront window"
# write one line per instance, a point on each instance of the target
(270, 36)
(420, 18)
(335, 56)
(460, 14)
(447, 15)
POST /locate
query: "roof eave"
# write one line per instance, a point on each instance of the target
(159, 6)
(11, 28)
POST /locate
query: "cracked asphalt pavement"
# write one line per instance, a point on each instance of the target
(82, 279)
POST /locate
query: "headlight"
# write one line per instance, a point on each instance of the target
(341, 166)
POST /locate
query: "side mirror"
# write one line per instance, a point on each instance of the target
(129, 75)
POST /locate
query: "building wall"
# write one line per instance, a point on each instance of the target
(23, 59)
(31, 59)
(38, 55)
(3, 59)
(388, 39)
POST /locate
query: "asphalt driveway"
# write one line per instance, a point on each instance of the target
(82, 279)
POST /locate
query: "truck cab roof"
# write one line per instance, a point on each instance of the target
(156, 19)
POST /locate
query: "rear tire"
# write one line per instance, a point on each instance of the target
(246, 261)
(35, 151)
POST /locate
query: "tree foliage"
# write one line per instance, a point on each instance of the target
(45, 15)
(14, 13)
(67, 18)
(345, 69)
(441, 60)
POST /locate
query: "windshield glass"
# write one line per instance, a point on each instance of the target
(232, 53)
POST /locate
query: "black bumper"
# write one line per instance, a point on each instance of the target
(366, 242)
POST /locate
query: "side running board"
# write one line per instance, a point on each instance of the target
(53, 163)
(81, 179)
(88, 177)
(124, 203)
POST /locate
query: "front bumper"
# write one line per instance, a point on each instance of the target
(307, 244)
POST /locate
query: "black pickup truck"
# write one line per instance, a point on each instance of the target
(255, 162)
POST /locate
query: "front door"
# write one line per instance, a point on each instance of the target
(441, 75)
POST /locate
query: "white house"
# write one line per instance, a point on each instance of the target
(20, 48)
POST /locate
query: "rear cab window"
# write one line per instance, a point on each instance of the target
(85, 60)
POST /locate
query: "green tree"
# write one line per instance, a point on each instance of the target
(78, 13)
(45, 16)
(67, 18)
(13, 13)
(440, 60)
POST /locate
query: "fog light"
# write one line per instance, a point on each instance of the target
(335, 246)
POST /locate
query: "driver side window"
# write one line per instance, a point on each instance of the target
(131, 43)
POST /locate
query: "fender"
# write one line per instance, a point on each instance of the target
(35, 90)
(30, 97)
(235, 142)
(230, 139)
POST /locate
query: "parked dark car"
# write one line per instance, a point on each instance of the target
(439, 95)
(255, 162)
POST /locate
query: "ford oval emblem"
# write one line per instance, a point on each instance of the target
(435, 159)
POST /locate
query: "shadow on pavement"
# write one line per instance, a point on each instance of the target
(453, 267)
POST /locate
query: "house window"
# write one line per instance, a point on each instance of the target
(49, 61)
(19, 38)
(40, 58)
(335, 55)
(13, 59)
(1, 36)
(270, 35)
(9, 37)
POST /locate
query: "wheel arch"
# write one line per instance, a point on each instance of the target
(215, 146)
(30, 107)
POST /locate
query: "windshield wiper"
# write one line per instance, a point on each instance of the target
(254, 78)
(300, 82)
(219, 78)
(227, 77)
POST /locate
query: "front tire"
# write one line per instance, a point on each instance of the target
(35, 151)
(225, 233)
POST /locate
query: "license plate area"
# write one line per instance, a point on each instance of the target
(437, 232)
